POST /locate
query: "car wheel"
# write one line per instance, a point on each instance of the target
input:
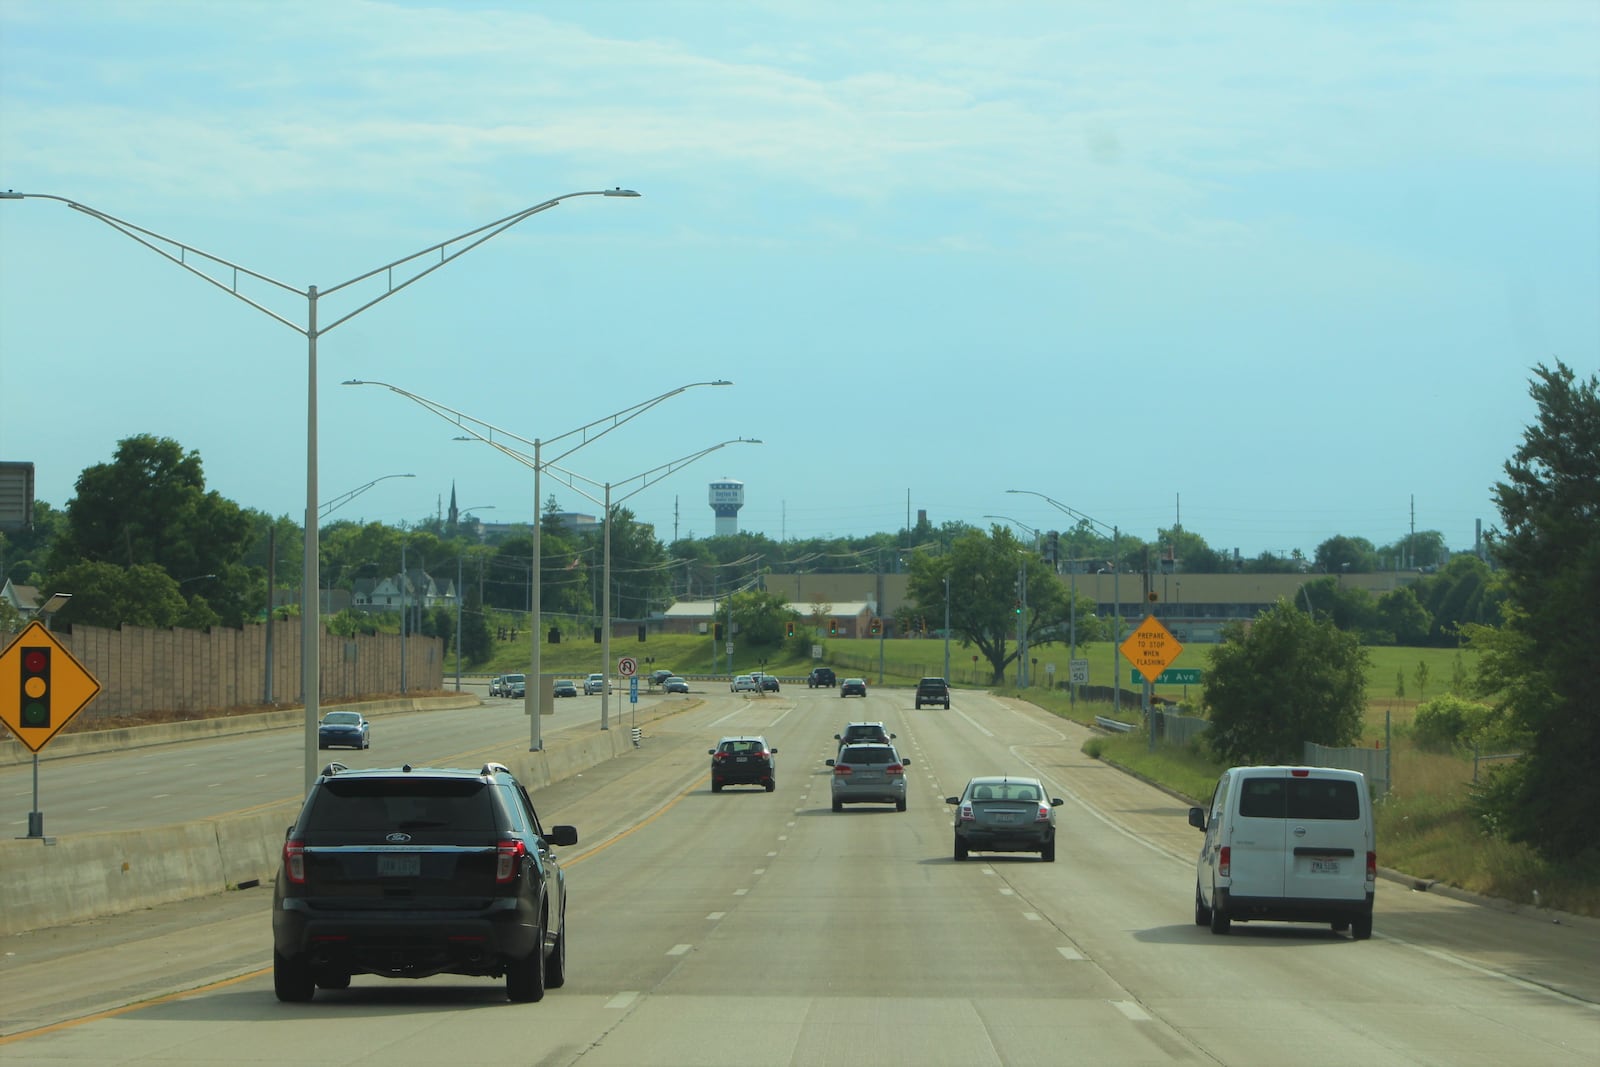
(1220, 923)
(961, 849)
(555, 964)
(333, 981)
(838, 805)
(1361, 926)
(900, 805)
(919, 705)
(771, 786)
(525, 977)
(716, 787)
(1339, 926)
(291, 979)
(1048, 853)
(1202, 914)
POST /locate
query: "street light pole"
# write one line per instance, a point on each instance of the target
(947, 629)
(1116, 587)
(228, 281)
(494, 436)
(463, 511)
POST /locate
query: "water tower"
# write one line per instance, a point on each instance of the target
(727, 497)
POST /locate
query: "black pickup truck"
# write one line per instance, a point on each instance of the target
(933, 691)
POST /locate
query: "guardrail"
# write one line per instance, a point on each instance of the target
(1113, 725)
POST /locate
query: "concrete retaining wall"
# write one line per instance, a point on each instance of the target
(85, 876)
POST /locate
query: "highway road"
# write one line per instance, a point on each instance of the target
(755, 928)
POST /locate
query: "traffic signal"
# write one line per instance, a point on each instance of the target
(554, 636)
(788, 629)
(833, 627)
(597, 635)
(34, 697)
(716, 632)
(1019, 607)
(877, 627)
(641, 631)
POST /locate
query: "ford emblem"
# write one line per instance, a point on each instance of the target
(398, 839)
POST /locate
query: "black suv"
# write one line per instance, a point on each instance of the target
(822, 676)
(743, 760)
(410, 872)
(933, 691)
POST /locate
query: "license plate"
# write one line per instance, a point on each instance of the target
(1324, 866)
(741, 759)
(399, 866)
(1005, 817)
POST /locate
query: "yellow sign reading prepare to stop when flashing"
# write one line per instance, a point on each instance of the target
(1151, 647)
(42, 686)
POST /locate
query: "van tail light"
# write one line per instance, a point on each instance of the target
(1372, 868)
(966, 812)
(894, 768)
(841, 770)
(1225, 861)
(508, 853)
(294, 861)
(1043, 814)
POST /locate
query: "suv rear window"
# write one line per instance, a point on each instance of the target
(388, 804)
(867, 754)
(1300, 798)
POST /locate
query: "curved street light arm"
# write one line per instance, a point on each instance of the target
(490, 433)
(1058, 505)
(326, 509)
(160, 244)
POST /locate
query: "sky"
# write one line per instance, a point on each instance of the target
(1279, 271)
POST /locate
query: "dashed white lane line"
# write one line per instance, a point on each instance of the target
(623, 999)
(679, 950)
(1133, 1012)
(1031, 916)
(1069, 952)
(740, 892)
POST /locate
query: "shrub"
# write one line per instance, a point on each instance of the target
(1448, 722)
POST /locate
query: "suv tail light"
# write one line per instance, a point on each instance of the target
(966, 812)
(717, 757)
(1043, 814)
(506, 867)
(1225, 861)
(840, 770)
(894, 768)
(762, 755)
(294, 861)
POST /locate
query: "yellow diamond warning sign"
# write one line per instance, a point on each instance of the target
(1151, 647)
(42, 686)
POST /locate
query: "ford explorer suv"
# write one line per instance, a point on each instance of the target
(1289, 844)
(409, 872)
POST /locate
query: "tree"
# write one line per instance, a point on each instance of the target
(1346, 555)
(1284, 680)
(1542, 671)
(149, 507)
(983, 570)
(105, 594)
(1401, 618)
(1424, 549)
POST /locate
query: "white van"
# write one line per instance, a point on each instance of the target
(1292, 844)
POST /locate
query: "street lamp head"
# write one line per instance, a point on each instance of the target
(619, 191)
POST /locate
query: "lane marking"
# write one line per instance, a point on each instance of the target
(679, 950)
(1131, 1010)
(1031, 916)
(1070, 953)
(740, 892)
(716, 915)
(623, 1000)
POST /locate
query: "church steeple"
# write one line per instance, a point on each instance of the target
(454, 515)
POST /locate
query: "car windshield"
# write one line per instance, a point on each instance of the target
(514, 678)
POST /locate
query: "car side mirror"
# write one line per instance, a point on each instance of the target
(563, 835)
(774, 751)
(825, 762)
(1197, 818)
(906, 762)
(711, 752)
(891, 737)
(288, 833)
(836, 737)
(1056, 802)
(952, 800)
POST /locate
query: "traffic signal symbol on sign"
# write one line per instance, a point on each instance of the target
(34, 688)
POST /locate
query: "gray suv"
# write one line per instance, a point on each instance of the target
(869, 774)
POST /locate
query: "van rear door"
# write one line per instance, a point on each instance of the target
(1325, 857)
(1259, 839)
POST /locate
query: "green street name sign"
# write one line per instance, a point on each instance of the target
(1170, 676)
